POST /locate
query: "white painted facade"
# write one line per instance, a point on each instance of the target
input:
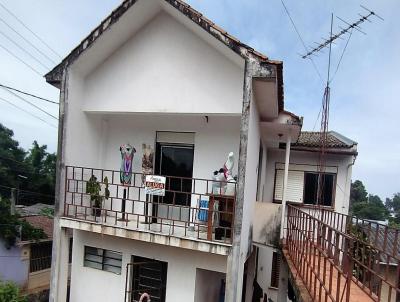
(155, 70)
(87, 283)
(300, 162)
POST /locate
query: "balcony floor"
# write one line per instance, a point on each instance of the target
(165, 233)
(356, 293)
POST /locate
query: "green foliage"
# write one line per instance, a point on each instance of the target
(358, 193)
(37, 165)
(13, 227)
(370, 210)
(49, 212)
(362, 251)
(9, 292)
(366, 206)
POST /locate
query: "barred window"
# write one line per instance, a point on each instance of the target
(102, 259)
(40, 256)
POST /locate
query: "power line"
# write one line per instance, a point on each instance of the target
(27, 41)
(30, 103)
(22, 61)
(24, 50)
(32, 95)
(301, 39)
(35, 116)
(33, 33)
(26, 191)
(17, 161)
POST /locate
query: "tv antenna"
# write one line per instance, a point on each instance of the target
(327, 43)
(350, 26)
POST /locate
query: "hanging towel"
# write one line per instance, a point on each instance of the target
(203, 210)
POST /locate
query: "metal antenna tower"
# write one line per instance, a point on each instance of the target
(350, 26)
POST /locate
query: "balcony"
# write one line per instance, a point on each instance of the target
(336, 257)
(189, 209)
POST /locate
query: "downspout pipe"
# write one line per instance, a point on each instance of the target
(285, 181)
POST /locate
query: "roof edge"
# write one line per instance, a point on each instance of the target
(54, 76)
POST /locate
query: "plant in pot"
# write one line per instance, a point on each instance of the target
(93, 187)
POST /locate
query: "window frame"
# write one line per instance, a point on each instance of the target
(102, 254)
(308, 205)
(334, 176)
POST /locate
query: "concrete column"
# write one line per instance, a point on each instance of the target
(285, 180)
(234, 274)
(59, 290)
(59, 262)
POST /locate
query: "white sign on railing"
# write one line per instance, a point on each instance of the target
(155, 185)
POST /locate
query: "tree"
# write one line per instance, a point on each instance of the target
(358, 193)
(11, 160)
(373, 209)
(43, 164)
(34, 170)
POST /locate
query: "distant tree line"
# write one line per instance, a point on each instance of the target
(370, 206)
(32, 172)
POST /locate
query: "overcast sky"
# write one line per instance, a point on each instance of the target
(364, 103)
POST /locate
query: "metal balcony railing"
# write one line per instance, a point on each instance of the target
(188, 209)
(342, 258)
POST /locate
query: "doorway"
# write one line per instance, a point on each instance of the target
(174, 160)
(148, 276)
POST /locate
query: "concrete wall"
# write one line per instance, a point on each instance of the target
(264, 271)
(39, 280)
(165, 67)
(208, 284)
(266, 223)
(14, 264)
(181, 277)
(250, 192)
(341, 162)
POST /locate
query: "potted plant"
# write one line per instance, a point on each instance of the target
(93, 187)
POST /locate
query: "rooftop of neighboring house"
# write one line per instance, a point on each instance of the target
(385, 239)
(41, 222)
(35, 209)
(335, 143)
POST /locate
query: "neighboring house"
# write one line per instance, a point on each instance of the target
(28, 263)
(159, 78)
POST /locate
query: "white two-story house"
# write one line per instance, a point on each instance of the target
(180, 98)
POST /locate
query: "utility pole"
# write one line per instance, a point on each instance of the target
(13, 200)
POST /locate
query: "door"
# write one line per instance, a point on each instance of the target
(176, 162)
(148, 276)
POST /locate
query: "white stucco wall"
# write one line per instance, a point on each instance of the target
(264, 271)
(341, 162)
(165, 67)
(182, 264)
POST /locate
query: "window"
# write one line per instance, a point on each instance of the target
(276, 265)
(40, 256)
(148, 276)
(311, 188)
(101, 259)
